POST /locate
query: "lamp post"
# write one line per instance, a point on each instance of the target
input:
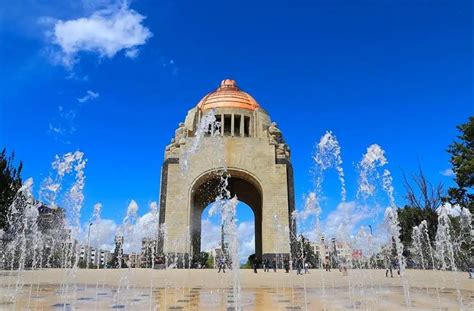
(334, 254)
(89, 245)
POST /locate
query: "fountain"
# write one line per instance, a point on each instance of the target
(41, 265)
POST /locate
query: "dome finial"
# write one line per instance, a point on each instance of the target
(228, 95)
(228, 83)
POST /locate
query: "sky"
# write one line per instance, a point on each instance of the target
(113, 79)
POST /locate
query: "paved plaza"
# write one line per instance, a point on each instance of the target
(144, 289)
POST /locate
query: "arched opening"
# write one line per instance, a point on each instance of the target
(205, 191)
(213, 236)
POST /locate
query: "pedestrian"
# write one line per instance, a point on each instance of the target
(328, 266)
(299, 266)
(287, 266)
(255, 266)
(274, 265)
(221, 265)
(306, 268)
(265, 265)
(389, 268)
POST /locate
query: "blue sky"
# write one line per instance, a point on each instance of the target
(396, 73)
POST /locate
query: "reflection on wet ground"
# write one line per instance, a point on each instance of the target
(100, 297)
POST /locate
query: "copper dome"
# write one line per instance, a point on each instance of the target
(228, 95)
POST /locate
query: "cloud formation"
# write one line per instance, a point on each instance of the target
(211, 237)
(105, 32)
(447, 172)
(90, 95)
(341, 222)
(103, 231)
(63, 124)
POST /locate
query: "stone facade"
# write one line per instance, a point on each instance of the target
(253, 152)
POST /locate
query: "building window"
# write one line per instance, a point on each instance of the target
(237, 125)
(246, 126)
(218, 124)
(227, 124)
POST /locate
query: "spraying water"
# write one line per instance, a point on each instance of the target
(328, 155)
(126, 234)
(369, 175)
(445, 251)
(208, 125)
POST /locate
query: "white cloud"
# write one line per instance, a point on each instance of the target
(447, 172)
(210, 234)
(55, 130)
(211, 237)
(63, 125)
(90, 95)
(347, 215)
(246, 236)
(132, 53)
(102, 233)
(105, 32)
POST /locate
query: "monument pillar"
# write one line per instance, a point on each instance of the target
(255, 156)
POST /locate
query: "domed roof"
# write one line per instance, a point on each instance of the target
(228, 95)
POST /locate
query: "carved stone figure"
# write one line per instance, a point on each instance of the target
(283, 151)
(275, 134)
(172, 147)
(180, 134)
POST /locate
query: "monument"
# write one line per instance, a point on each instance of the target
(256, 158)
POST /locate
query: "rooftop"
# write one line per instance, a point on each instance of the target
(228, 95)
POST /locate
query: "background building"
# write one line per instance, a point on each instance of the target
(148, 252)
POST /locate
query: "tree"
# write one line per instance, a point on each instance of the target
(307, 251)
(250, 260)
(462, 160)
(202, 260)
(210, 262)
(10, 183)
(423, 198)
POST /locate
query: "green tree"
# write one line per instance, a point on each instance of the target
(210, 262)
(250, 260)
(306, 250)
(410, 216)
(462, 160)
(203, 259)
(423, 198)
(10, 183)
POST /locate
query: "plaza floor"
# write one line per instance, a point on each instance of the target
(146, 289)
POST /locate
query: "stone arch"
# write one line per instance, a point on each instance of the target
(261, 152)
(204, 191)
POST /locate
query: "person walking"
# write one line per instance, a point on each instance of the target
(344, 270)
(306, 268)
(255, 266)
(328, 266)
(266, 265)
(299, 266)
(389, 268)
(221, 265)
(274, 264)
(287, 266)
